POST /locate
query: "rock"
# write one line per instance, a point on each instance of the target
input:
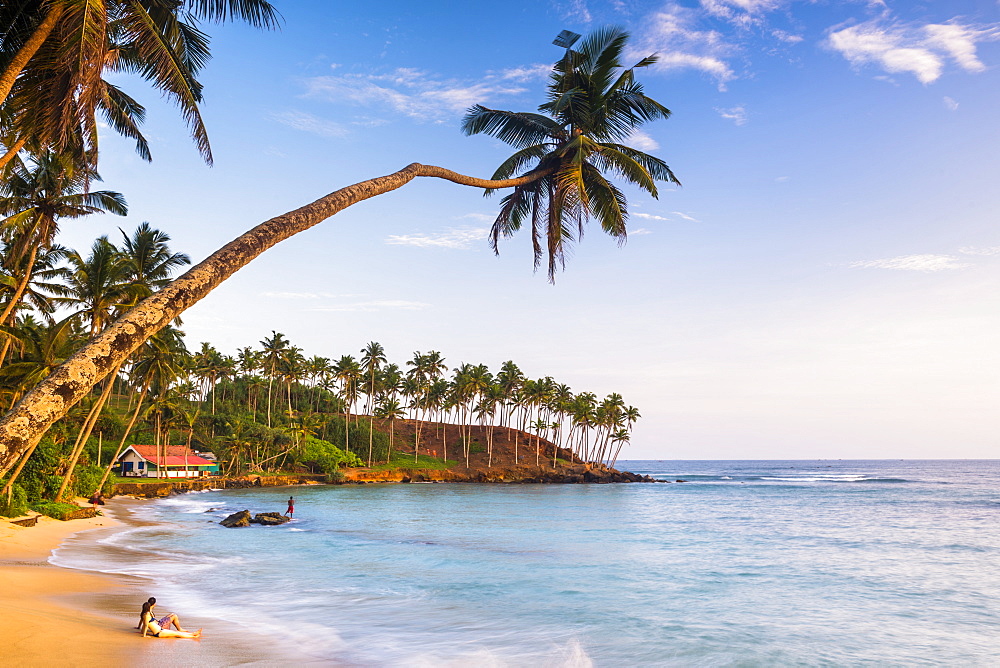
(240, 519)
(679, 480)
(269, 519)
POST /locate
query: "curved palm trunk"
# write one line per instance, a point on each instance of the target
(22, 286)
(128, 430)
(66, 385)
(28, 50)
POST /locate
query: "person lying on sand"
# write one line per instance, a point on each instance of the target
(160, 628)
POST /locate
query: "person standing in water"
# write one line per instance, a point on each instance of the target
(291, 507)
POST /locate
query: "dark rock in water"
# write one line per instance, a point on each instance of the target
(679, 480)
(240, 519)
(269, 519)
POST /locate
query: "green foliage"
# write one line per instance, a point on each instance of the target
(401, 460)
(85, 480)
(325, 457)
(59, 511)
(18, 504)
(37, 478)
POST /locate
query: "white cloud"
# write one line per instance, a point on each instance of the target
(379, 305)
(300, 120)
(782, 179)
(639, 231)
(482, 217)
(652, 216)
(787, 37)
(743, 13)
(918, 50)
(642, 141)
(454, 238)
(925, 262)
(685, 216)
(737, 115)
(672, 33)
(411, 92)
(576, 10)
(972, 250)
(950, 103)
(527, 73)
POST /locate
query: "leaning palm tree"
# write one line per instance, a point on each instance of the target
(569, 162)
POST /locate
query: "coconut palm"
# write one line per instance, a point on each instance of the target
(149, 260)
(569, 148)
(54, 55)
(594, 106)
(34, 197)
(372, 356)
(273, 349)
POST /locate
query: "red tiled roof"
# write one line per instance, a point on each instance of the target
(192, 460)
(176, 455)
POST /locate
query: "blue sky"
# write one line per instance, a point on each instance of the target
(824, 284)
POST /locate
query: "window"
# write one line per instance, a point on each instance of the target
(142, 465)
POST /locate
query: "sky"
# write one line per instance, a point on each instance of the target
(823, 285)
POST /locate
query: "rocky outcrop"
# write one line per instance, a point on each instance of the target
(154, 489)
(236, 520)
(574, 474)
(269, 519)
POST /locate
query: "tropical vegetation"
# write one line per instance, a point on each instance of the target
(89, 341)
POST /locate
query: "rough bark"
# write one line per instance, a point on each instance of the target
(14, 149)
(28, 50)
(37, 410)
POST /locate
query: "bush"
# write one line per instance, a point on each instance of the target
(18, 504)
(85, 479)
(59, 511)
(325, 457)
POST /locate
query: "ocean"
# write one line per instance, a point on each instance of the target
(747, 563)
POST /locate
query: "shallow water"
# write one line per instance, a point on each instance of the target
(761, 563)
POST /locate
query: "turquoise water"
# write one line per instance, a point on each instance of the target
(747, 564)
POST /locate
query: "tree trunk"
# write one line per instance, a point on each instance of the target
(128, 430)
(14, 149)
(22, 286)
(28, 50)
(66, 385)
(85, 432)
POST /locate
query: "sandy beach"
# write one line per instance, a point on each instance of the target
(53, 616)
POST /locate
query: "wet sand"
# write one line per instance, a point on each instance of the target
(53, 616)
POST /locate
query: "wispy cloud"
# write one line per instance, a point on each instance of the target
(300, 120)
(920, 50)
(925, 262)
(653, 216)
(639, 231)
(378, 305)
(675, 34)
(482, 217)
(950, 103)
(454, 238)
(537, 72)
(576, 10)
(412, 92)
(972, 250)
(642, 141)
(737, 115)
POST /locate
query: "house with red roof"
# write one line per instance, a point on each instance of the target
(164, 461)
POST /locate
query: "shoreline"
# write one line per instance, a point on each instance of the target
(61, 615)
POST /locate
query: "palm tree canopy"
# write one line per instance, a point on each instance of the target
(594, 106)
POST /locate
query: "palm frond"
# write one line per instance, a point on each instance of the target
(518, 129)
